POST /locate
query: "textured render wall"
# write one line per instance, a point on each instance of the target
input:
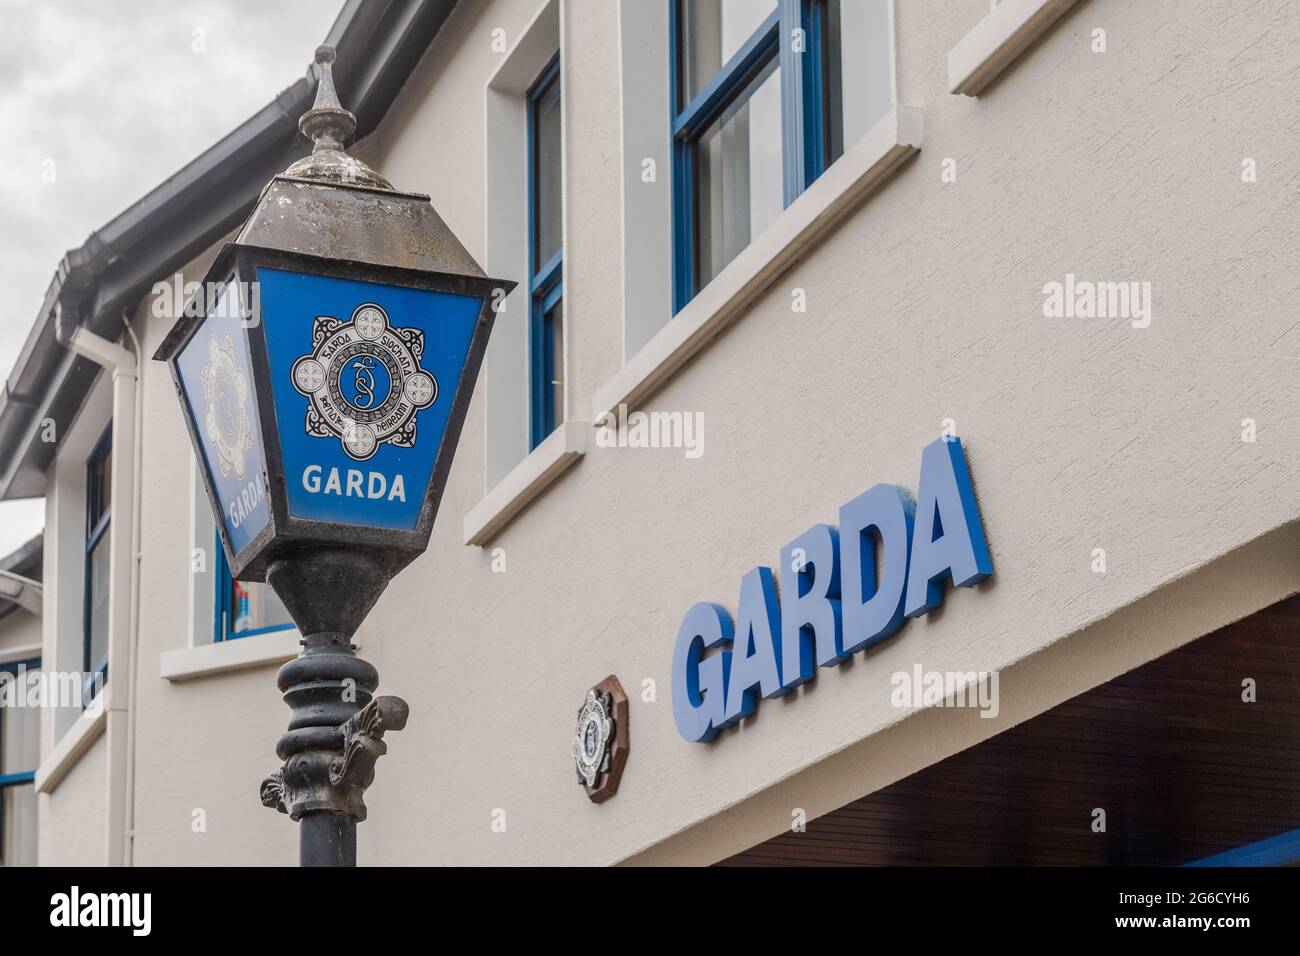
(71, 819)
(924, 305)
(19, 630)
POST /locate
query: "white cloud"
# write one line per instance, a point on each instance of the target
(20, 521)
(119, 96)
(116, 96)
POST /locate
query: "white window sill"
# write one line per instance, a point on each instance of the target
(72, 746)
(204, 660)
(545, 463)
(1005, 33)
(864, 167)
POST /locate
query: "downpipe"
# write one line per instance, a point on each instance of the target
(124, 365)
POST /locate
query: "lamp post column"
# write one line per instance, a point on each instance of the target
(337, 725)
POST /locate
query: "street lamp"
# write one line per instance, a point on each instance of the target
(324, 369)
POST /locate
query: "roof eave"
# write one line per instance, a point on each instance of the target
(379, 43)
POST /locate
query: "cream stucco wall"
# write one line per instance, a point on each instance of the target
(923, 305)
(73, 819)
(20, 635)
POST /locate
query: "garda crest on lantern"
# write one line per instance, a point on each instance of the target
(327, 363)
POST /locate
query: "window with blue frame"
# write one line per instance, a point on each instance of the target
(545, 256)
(19, 754)
(99, 515)
(241, 608)
(766, 94)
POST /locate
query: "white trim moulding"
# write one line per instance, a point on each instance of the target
(863, 168)
(71, 747)
(204, 660)
(1004, 34)
(545, 463)
(23, 652)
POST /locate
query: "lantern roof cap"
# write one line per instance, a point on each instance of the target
(328, 125)
(367, 225)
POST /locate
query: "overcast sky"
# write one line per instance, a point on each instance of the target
(102, 100)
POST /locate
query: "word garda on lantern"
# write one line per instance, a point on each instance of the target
(833, 598)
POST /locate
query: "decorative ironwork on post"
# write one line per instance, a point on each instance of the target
(337, 725)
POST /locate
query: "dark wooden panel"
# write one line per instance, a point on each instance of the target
(1183, 768)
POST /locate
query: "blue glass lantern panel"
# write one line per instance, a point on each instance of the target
(364, 375)
(218, 387)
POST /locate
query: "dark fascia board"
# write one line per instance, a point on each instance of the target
(379, 42)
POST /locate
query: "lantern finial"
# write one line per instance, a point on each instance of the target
(328, 125)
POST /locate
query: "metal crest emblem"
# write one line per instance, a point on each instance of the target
(225, 422)
(595, 730)
(364, 381)
(600, 744)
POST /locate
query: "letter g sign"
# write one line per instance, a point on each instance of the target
(700, 683)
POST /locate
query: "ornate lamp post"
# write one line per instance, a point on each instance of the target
(325, 370)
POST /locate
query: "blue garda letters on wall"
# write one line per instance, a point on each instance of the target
(834, 600)
(364, 376)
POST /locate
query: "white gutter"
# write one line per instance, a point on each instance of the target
(123, 578)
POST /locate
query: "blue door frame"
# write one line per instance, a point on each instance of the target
(1281, 850)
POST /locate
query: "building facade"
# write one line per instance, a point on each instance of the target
(771, 254)
(20, 653)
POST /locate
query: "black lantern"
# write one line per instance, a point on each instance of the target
(325, 369)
